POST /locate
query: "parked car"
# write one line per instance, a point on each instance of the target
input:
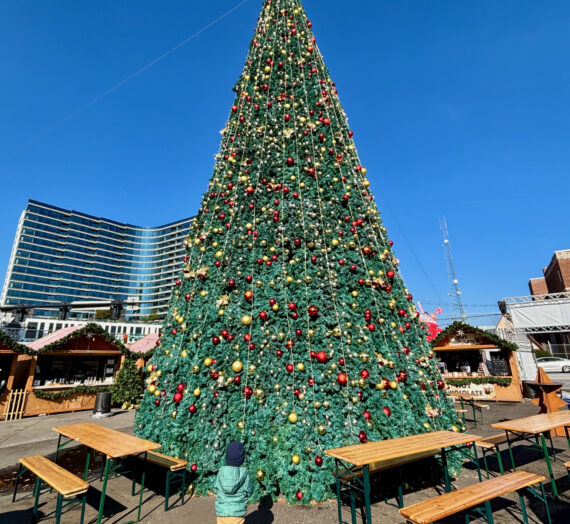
(554, 364)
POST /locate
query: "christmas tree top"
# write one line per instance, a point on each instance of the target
(290, 328)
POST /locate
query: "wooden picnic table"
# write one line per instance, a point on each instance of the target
(537, 426)
(113, 444)
(391, 451)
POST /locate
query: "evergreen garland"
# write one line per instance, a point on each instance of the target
(66, 393)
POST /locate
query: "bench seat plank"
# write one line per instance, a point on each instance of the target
(494, 440)
(451, 503)
(63, 481)
(175, 464)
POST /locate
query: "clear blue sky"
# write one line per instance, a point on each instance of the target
(459, 108)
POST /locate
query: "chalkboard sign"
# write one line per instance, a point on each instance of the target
(500, 366)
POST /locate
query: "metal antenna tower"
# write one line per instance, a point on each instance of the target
(453, 282)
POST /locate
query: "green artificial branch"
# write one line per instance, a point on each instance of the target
(66, 393)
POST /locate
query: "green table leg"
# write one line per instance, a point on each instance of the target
(547, 459)
(489, 513)
(545, 500)
(567, 436)
(142, 487)
(499, 460)
(87, 461)
(339, 507)
(103, 489)
(37, 489)
(58, 508)
(510, 451)
(57, 449)
(445, 470)
(18, 475)
(486, 465)
(366, 478)
(523, 508)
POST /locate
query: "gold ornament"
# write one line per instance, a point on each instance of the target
(260, 475)
(295, 459)
(237, 366)
(246, 320)
(196, 392)
(321, 429)
(151, 389)
(293, 418)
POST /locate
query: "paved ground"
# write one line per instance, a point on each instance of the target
(34, 435)
(564, 378)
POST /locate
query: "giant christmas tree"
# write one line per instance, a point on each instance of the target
(290, 328)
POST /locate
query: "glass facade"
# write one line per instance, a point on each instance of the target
(67, 256)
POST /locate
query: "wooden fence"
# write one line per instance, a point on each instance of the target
(16, 404)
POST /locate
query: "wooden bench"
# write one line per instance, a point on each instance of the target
(175, 471)
(475, 406)
(474, 496)
(567, 466)
(493, 443)
(67, 485)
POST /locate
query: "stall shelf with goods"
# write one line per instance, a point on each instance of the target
(478, 363)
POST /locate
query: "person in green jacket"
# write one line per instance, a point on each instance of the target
(233, 487)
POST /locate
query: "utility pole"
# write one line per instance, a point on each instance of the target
(454, 291)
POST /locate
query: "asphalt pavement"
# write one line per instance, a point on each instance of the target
(564, 378)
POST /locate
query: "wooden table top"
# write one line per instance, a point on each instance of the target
(363, 454)
(112, 443)
(536, 423)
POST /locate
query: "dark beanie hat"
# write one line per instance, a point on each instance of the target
(235, 454)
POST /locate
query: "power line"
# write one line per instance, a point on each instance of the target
(385, 202)
(39, 134)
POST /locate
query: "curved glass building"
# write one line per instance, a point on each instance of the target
(67, 256)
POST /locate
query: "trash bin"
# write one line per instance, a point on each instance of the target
(102, 404)
(528, 392)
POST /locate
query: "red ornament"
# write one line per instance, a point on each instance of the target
(440, 384)
(248, 295)
(292, 306)
(181, 387)
(290, 161)
(215, 341)
(319, 461)
(364, 374)
(263, 315)
(371, 327)
(187, 297)
(299, 495)
(366, 415)
(287, 117)
(289, 368)
(387, 411)
(342, 379)
(177, 397)
(313, 311)
(192, 408)
(322, 357)
(247, 391)
(363, 437)
(390, 274)
(157, 402)
(237, 380)
(193, 468)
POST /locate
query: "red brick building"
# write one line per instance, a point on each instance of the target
(556, 277)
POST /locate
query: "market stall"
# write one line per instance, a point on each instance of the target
(477, 363)
(65, 369)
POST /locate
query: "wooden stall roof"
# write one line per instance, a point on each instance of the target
(78, 339)
(461, 336)
(145, 344)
